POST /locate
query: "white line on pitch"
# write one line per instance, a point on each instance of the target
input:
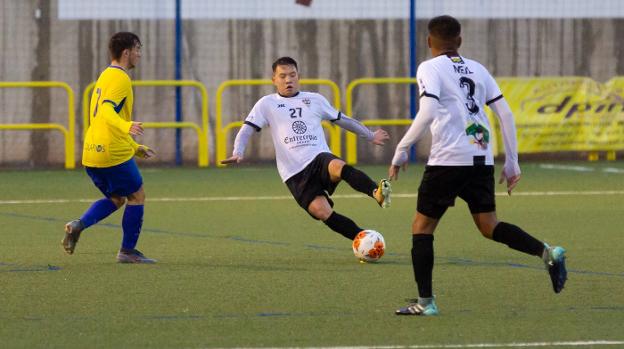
(475, 345)
(288, 197)
(581, 168)
(567, 168)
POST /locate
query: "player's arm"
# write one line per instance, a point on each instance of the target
(240, 143)
(428, 109)
(329, 113)
(511, 169)
(113, 120)
(141, 150)
(113, 102)
(378, 137)
(254, 122)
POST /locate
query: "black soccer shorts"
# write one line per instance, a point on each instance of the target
(440, 186)
(314, 180)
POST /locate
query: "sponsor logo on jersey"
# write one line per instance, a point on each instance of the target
(457, 60)
(281, 105)
(480, 135)
(99, 148)
(300, 140)
(306, 101)
(299, 127)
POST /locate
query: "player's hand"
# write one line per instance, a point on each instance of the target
(144, 152)
(511, 174)
(393, 171)
(136, 129)
(380, 137)
(512, 181)
(234, 159)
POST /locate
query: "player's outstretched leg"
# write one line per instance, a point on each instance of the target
(554, 259)
(361, 182)
(99, 210)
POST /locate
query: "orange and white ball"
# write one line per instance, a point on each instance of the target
(369, 245)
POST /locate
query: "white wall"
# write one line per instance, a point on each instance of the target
(342, 9)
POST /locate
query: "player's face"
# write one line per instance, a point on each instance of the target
(134, 56)
(286, 80)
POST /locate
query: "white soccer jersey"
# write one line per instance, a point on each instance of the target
(460, 130)
(295, 124)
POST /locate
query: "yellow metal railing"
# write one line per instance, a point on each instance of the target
(351, 138)
(202, 131)
(68, 133)
(222, 131)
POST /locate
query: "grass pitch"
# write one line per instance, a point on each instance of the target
(241, 265)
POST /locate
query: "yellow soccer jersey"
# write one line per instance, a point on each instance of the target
(107, 142)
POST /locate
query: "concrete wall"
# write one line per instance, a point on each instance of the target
(41, 47)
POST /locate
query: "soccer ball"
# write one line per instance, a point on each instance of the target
(369, 245)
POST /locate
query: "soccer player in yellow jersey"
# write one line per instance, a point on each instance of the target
(109, 151)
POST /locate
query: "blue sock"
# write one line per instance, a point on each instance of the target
(98, 211)
(131, 224)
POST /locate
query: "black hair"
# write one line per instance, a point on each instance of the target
(284, 61)
(445, 28)
(121, 41)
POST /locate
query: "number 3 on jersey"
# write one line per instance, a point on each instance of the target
(471, 105)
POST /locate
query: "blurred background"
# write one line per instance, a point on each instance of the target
(214, 41)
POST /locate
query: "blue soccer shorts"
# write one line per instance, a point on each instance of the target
(120, 180)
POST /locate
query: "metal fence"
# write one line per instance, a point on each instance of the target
(341, 41)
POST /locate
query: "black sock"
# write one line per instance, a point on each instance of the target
(358, 180)
(518, 239)
(422, 263)
(342, 225)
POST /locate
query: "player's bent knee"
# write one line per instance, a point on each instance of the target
(320, 214)
(136, 201)
(423, 224)
(486, 234)
(335, 169)
(137, 198)
(319, 211)
(486, 222)
(486, 229)
(118, 201)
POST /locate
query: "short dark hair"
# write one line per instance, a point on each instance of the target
(445, 28)
(121, 41)
(284, 61)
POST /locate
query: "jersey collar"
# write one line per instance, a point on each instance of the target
(452, 53)
(118, 67)
(295, 95)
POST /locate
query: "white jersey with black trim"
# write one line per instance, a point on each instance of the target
(460, 129)
(295, 124)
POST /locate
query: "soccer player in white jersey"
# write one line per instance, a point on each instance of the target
(304, 160)
(454, 91)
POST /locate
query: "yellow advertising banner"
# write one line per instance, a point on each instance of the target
(566, 113)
